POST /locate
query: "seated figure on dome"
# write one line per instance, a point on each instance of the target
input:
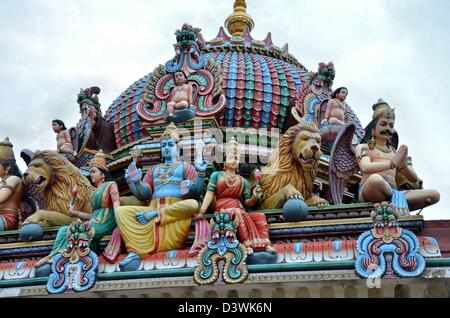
(11, 188)
(336, 108)
(165, 224)
(63, 139)
(382, 165)
(180, 107)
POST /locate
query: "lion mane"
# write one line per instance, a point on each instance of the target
(283, 169)
(65, 176)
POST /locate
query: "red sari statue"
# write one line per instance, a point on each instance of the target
(230, 190)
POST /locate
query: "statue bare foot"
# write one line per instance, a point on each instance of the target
(145, 217)
(270, 249)
(42, 261)
(249, 250)
(133, 256)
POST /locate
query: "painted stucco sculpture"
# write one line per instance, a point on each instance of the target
(382, 163)
(75, 267)
(165, 223)
(232, 194)
(51, 175)
(11, 187)
(292, 168)
(225, 246)
(387, 248)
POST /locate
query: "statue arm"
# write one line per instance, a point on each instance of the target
(408, 171)
(328, 111)
(114, 194)
(190, 101)
(8, 190)
(207, 201)
(67, 137)
(249, 200)
(79, 214)
(365, 163)
(140, 190)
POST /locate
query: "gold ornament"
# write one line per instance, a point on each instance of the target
(239, 20)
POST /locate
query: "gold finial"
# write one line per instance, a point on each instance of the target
(239, 20)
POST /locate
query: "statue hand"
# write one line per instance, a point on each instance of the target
(201, 166)
(400, 157)
(185, 185)
(257, 192)
(133, 173)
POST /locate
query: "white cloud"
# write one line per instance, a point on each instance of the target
(397, 50)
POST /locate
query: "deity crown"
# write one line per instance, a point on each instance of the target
(171, 132)
(6, 152)
(99, 161)
(232, 146)
(382, 109)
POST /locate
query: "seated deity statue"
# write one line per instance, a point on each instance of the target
(381, 165)
(181, 98)
(232, 193)
(169, 186)
(336, 108)
(11, 188)
(63, 140)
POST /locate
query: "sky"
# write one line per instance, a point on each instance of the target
(397, 50)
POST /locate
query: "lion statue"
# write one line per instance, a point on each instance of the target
(292, 168)
(53, 177)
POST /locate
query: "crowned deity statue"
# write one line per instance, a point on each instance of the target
(382, 165)
(11, 188)
(232, 194)
(169, 188)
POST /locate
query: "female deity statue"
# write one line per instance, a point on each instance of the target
(229, 189)
(11, 188)
(104, 201)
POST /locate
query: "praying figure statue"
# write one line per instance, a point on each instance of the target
(169, 186)
(382, 166)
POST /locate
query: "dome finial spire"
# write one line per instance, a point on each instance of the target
(239, 20)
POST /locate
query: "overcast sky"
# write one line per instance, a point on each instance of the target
(398, 50)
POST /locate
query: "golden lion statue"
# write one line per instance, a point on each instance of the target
(53, 176)
(292, 168)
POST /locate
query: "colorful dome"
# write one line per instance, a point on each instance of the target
(260, 83)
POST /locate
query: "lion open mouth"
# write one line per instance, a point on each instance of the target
(40, 182)
(306, 161)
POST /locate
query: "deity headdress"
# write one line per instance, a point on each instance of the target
(99, 161)
(6, 151)
(381, 109)
(232, 147)
(171, 132)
